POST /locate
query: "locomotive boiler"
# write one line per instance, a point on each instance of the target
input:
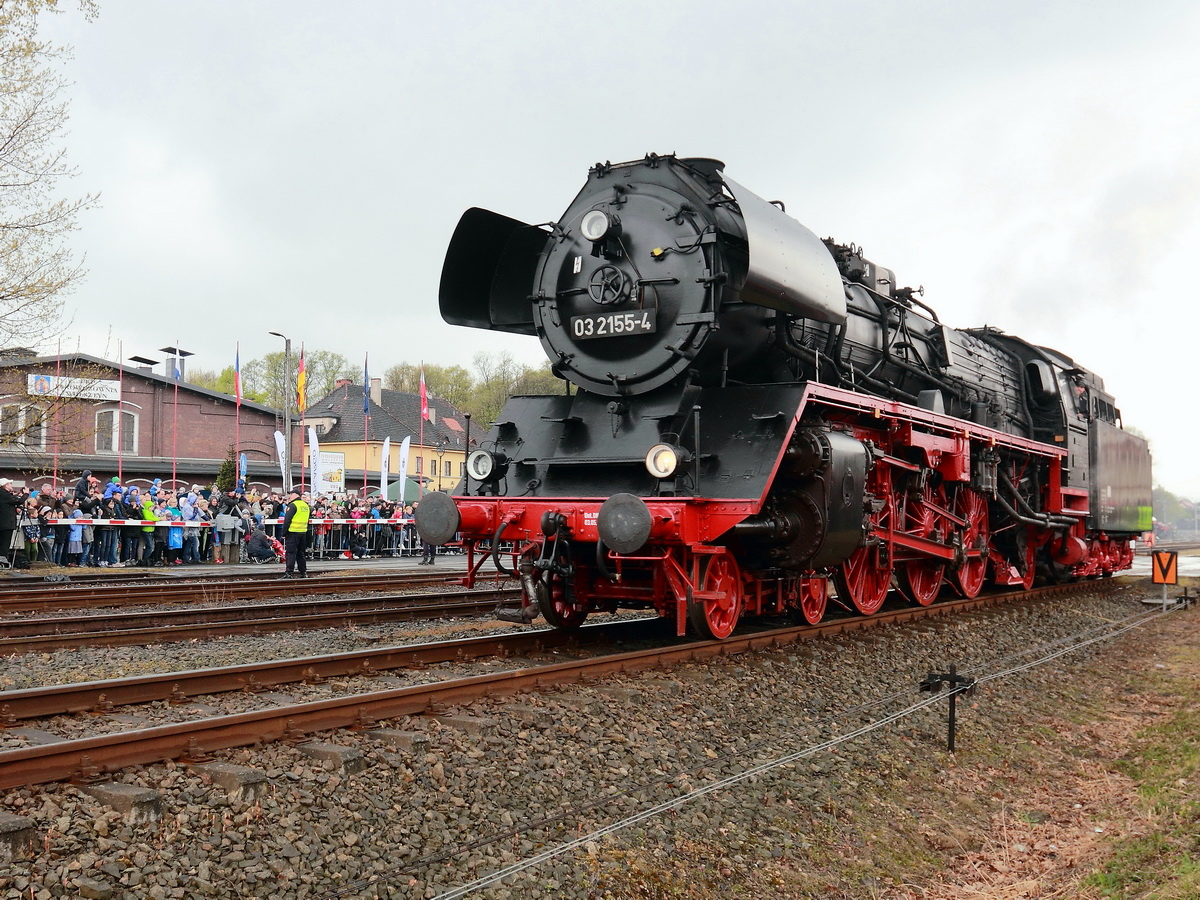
(751, 412)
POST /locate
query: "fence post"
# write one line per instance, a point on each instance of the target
(959, 684)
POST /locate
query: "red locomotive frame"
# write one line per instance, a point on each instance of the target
(926, 521)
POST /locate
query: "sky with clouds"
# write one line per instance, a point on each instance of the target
(299, 167)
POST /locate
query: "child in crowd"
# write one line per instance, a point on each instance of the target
(47, 519)
(75, 540)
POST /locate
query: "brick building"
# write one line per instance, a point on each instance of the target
(70, 413)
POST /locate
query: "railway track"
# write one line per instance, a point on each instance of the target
(40, 597)
(91, 757)
(1176, 546)
(28, 635)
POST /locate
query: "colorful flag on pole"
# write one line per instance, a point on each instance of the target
(301, 382)
(404, 445)
(366, 389)
(424, 397)
(237, 373)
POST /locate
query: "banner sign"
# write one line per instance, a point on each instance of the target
(403, 479)
(329, 477)
(281, 450)
(72, 388)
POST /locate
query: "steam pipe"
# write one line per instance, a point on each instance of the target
(1032, 516)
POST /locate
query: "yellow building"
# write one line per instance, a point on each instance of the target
(352, 441)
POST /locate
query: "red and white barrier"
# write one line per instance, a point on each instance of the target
(175, 523)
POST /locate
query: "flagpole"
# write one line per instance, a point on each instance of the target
(421, 435)
(175, 421)
(57, 407)
(366, 418)
(237, 412)
(120, 412)
(301, 381)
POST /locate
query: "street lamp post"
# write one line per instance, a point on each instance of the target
(287, 408)
(441, 451)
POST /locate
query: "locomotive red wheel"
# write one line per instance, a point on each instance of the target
(814, 598)
(1028, 551)
(714, 618)
(863, 579)
(921, 579)
(968, 577)
(557, 603)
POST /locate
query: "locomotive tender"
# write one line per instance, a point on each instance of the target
(757, 412)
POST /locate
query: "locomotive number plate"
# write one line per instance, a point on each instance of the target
(614, 324)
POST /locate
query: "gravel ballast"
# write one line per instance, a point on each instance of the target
(474, 784)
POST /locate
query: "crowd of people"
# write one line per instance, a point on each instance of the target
(43, 524)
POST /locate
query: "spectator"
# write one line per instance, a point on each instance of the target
(148, 515)
(108, 535)
(259, 548)
(47, 517)
(31, 530)
(62, 532)
(75, 539)
(84, 486)
(9, 503)
(113, 488)
(207, 537)
(131, 535)
(87, 537)
(191, 534)
(174, 533)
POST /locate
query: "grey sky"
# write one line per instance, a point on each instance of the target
(299, 166)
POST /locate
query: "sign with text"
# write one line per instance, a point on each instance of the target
(73, 388)
(331, 478)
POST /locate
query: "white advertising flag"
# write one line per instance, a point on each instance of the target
(282, 465)
(314, 459)
(403, 468)
(383, 466)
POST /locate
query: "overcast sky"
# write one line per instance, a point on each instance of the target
(299, 166)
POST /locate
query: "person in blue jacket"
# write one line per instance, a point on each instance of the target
(75, 540)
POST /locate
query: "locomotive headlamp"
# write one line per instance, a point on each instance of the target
(663, 459)
(595, 225)
(481, 464)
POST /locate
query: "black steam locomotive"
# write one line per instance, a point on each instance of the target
(757, 412)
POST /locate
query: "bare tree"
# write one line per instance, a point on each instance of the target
(36, 266)
(498, 377)
(450, 383)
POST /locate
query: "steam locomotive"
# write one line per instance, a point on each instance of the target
(751, 412)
